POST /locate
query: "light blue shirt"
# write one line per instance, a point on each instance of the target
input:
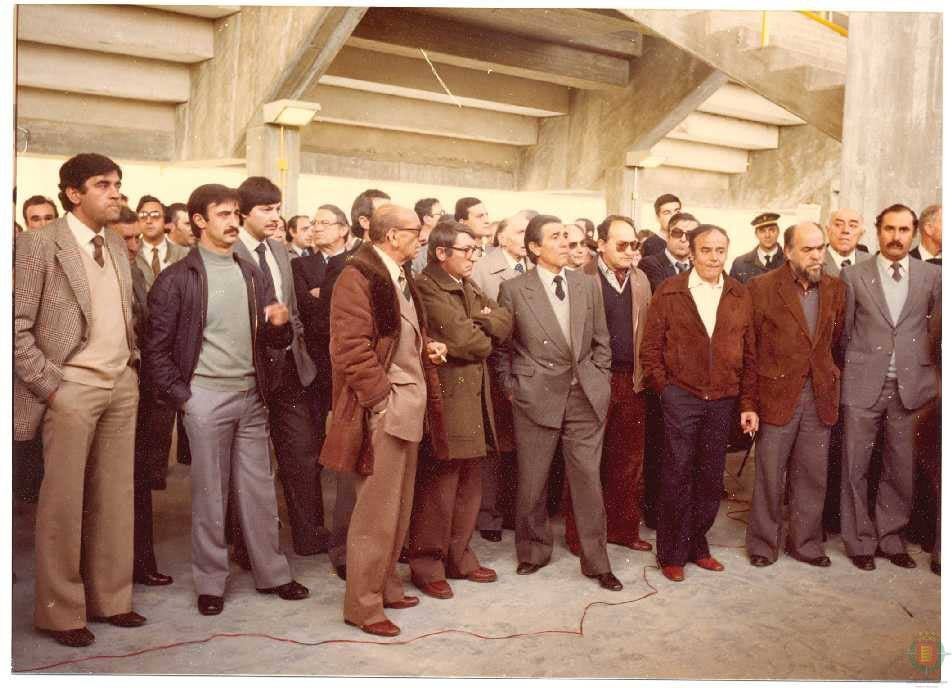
(895, 293)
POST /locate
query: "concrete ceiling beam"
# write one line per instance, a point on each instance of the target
(698, 156)
(359, 108)
(47, 137)
(399, 32)
(120, 29)
(58, 106)
(726, 131)
(412, 77)
(577, 28)
(734, 100)
(81, 71)
(206, 11)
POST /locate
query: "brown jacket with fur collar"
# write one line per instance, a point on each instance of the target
(365, 329)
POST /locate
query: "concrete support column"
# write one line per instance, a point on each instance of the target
(621, 191)
(274, 152)
(892, 124)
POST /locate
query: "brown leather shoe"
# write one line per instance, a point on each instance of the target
(639, 545)
(385, 628)
(709, 564)
(152, 578)
(441, 590)
(127, 620)
(526, 568)
(478, 575)
(673, 573)
(407, 602)
(292, 590)
(74, 637)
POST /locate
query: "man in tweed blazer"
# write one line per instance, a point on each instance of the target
(74, 350)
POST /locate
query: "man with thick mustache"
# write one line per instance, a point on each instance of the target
(889, 379)
(798, 320)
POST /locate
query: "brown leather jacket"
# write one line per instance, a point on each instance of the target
(365, 327)
(787, 353)
(677, 350)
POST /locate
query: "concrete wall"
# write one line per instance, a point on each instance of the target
(892, 127)
(804, 169)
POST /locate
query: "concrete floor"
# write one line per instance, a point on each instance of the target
(787, 621)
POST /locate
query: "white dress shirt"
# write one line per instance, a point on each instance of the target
(163, 247)
(764, 257)
(838, 259)
(896, 294)
(252, 245)
(925, 255)
(707, 297)
(559, 306)
(84, 235)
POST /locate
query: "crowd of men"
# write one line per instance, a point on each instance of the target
(441, 366)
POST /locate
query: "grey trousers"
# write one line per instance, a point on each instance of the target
(861, 534)
(796, 452)
(581, 434)
(228, 438)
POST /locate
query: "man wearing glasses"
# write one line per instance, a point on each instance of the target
(156, 252)
(676, 257)
(626, 295)
(378, 346)
(448, 491)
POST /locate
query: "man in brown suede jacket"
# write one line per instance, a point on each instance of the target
(377, 347)
(698, 355)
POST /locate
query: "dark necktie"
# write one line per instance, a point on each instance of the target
(404, 286)
(768, 261)
(896, 276)
(682, 267)
(156, 267)
(520, 268)
(620, 276)
(97, 253)
(263, 264)
(846, 263)
(559, 291)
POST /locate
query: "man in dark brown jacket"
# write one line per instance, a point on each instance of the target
(798, 319)
(448, 490)
(378, 346)
(698, 355)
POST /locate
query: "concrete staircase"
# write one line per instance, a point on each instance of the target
(802, 67)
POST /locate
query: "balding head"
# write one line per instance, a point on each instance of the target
(395, 230)
(843, 230)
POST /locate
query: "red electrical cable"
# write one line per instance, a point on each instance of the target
(340, 641)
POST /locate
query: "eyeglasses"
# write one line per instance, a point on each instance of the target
(325, 223)
(469, 251)
(622, 246)
(150, 214)
(575, 244)
(415, 230)
(676, 233)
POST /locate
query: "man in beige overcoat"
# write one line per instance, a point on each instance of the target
(448, 490)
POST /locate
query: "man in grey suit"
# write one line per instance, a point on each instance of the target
(508, 260)
(558, 377)
(291, 371)
(843, 232)
(890, 379)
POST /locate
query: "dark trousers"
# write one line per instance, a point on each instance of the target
(154, 421)
(445, 506)
(654, 455)
(296, 446)
(621, 467)
(28, 468)
(183, 454)
(692, 476)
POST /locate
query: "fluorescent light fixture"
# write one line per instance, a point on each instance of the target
(643, 159)
(290, 113)
(652, 161)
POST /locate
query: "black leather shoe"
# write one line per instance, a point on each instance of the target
(74, 637)
(341, 572)
(823, 561)
(608, 581)
(289, 591)
(127, 620)
(210, 605)
(864, 562)
(935, 567)
(757, 560)
(525, 568)
(152, 578)
(901, 559)
(491, 535)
